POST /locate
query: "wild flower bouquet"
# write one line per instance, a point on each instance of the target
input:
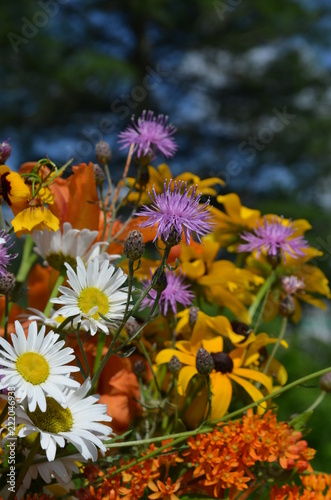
(134, 361)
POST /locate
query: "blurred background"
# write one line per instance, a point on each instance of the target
(247, 84)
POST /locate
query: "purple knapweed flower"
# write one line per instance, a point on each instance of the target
(179, 211)
(292, 284)
(149, 134)
(5, 257)
(176, 292)
(274, 238)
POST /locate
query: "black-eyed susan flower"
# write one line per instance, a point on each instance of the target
(37, 366)
(94, 290)
(229, 368)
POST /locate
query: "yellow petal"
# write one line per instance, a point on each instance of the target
(221, 389)
(35, 218)
(184, 377)
(213, 345)
(254, 393)
(255, 375)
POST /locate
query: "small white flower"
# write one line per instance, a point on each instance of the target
(54, 320)
(36, 366)
(78, 423)
(93, 291)
(61, 469)
(59, 247)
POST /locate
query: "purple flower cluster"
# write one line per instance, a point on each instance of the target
(274, 238)
(148, 135)
(179, 211)
(176, 292)
(5, 257)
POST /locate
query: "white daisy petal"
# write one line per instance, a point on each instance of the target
(36, 365)
(94, 290)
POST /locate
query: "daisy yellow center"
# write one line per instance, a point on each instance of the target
(33, 367)
(57, 260)
(91, 297)
(54, 420)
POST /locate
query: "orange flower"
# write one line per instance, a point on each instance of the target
(165, 491)
(76, 198)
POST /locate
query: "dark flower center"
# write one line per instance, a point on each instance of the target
(222, 361)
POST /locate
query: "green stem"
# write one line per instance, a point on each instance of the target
(4, 413)
(26, 465)
(59, 281)
(225, 418)
(277, 344)
(176, 400)
(2, 222)
(210, 397)
(80, 345)
(98, 356)
(261, 293)
(27, 261)
(132, 313)
(6, 316)
(317, 401)
(150, 364)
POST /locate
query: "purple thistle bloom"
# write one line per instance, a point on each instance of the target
(149, 134)
(176, 292)
(5, 257)
(175, 210)
(274, 238)
(292, 284)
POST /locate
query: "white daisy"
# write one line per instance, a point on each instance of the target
(61, 469)
(78, 423)
(59, 247)
(54, 320)
(36, 366)
(94, 291)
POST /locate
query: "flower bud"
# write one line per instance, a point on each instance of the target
(193, 316)
(103, 152)
(204, 362)
(134, 245)
(325, 382)
(287, 306)
(174, 237)
(132, 326)
(5, 150)
(99, 174)
(161, 283)
(7, 283)
(139, 367)
(174, 365)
